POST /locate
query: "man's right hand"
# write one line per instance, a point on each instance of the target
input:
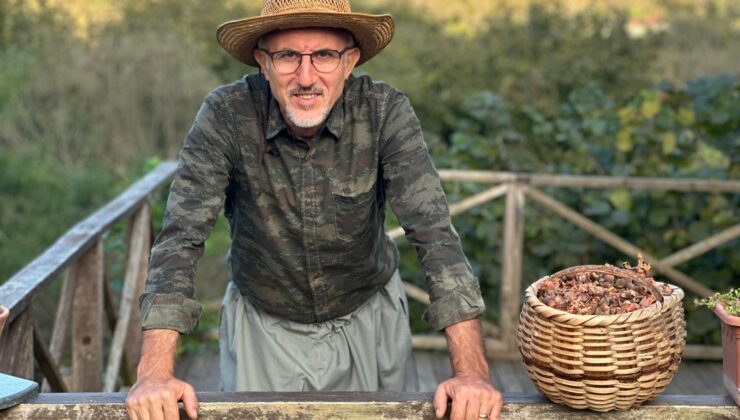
(156, 392)
(155, 398)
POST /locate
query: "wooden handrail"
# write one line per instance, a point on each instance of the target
(593, 181)
(80, 250)
(390, 405)
(17, 292)
(518, 185)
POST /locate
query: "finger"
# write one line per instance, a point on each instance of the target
(486, 407)
(440, 401)
(156, 410)
(170, 408)
(473, 409)
(459, 405)
(190, 400)
(130, 410)
(497, 406)
(143, 412)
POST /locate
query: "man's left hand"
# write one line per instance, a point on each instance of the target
(473, 397)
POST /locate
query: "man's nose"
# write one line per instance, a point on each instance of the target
(306, 72)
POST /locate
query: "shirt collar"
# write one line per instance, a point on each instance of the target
(334, 122)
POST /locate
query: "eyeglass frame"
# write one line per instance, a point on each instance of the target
(310, 55)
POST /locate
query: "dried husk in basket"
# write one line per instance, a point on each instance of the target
(601, 362)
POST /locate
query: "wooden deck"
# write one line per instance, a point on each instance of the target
(693, 378)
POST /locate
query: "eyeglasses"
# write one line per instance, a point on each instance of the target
(288, 61)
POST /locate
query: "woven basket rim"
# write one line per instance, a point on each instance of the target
(558, 315)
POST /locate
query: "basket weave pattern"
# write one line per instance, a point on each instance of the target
(601, 362)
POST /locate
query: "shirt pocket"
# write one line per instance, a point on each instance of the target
(353, 214)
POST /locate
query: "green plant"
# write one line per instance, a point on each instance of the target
(730, 300)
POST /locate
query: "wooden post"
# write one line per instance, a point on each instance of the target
(87, 320)
(133, 338)
(511, 270)
(61, 324)
(701, 247)
(135, 274)
(16, 346)
(47, 364)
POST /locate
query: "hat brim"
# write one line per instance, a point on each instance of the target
(372, 32)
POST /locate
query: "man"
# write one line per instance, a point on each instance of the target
(303, 161)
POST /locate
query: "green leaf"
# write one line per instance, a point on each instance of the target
(686, 116)
(624, 140)
(627, 115)
(668, 141)
(659, 216)
(650, 106)
(621, 199)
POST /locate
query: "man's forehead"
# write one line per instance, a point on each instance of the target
(306, 37)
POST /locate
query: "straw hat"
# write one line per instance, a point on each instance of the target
(372, 32)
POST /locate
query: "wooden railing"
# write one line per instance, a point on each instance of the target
(361, 405)
(517, 188)
(87, 300)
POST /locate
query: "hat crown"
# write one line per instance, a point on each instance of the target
(273, 7)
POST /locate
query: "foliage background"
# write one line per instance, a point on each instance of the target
(93, 94)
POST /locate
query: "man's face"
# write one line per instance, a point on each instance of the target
(306, 96)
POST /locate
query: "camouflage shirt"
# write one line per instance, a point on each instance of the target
(308, 242)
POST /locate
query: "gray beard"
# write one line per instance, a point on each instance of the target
(307, 122)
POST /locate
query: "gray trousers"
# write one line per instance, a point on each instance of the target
(366, 350)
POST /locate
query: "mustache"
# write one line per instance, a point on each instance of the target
(307, 91)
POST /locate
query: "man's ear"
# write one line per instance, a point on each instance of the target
(352, 57)
(261, 58)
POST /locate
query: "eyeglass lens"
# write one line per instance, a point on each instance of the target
(288, 61)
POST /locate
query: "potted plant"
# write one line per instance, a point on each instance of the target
(727, 307)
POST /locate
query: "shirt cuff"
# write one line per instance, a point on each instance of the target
(171, 311)
(461, 304)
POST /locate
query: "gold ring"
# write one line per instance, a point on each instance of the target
(482, 416)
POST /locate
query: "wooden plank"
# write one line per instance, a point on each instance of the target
(478, 199)
(425, 371)
(699, 248)
(590, 181)
(61, 324)
(443, 367)
(137, 260)
(112, 319)
(16, 346)
(200, 369)
(619, 243)
(17, 292)
(87, 321)
(109, 307)
(133, 336)
(511, 267)
(47, 364)
(495, 348)
(389, 405)
(508, 376)
(419, 295)
(416, 293)
(702, 352)
(463, 205)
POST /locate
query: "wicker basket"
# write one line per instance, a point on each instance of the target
(601, 362)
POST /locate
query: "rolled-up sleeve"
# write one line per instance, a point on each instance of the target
(416, 197)
(196, 197)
